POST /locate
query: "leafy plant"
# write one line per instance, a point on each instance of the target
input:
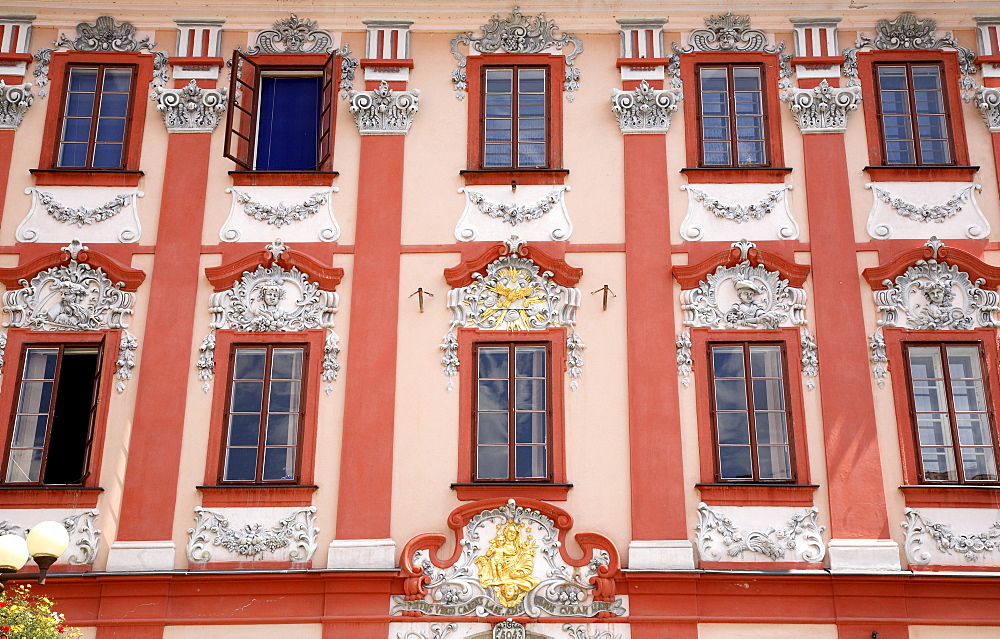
(27, 616)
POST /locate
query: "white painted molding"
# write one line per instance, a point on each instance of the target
(295, 213)
(721, 212)
(361, 554)
(863, 555)
(141, 556)
(917, 210)
(536, 213)
(662, 554)
(98, 214)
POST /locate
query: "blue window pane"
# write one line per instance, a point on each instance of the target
(935, 152)
(82, 79)
(241, 464)
(499, 80)
(733, 428)
(493, 428)
(286, 363)
(288, 123)
(498, 131)
(530, 462)
(714, 79)
(493, 362)
(80, 104)
(734, 462)
(117, 81)
(899, 152)
(531, 155)
(247, 397)
(73, 155)
(491, 462)
(529, 394)
(530, 428)
(727, 361)
(250, 363)
(773, 462)
(114, 105)
(926, 77)
(110, 130)
(892, 78)
(531, 81)
(529, 361)
(497, 155)
(498, 106)
(282, 430)
(76, 129)
(750, 153)
(493, 394)
(283, 397)
(108, 156)
(244, 430)
(730, 394)
(279, 464)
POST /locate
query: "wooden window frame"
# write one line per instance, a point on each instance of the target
(552, 172)
(896, 341)
(18, 341)
(261, 446)
(515, 117)
(730, 67)
(696, 172)
(796, 491)
(94, 116)
(878, 170)
(468, 486)
(912, 115)
(216, 492)
(49, 172)
(241, 145)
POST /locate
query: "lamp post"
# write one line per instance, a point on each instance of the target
(45, 542)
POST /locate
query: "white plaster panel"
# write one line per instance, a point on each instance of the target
(141, 556)
(708, 221)
(766, 631)
(361, 554)
(953, 536)
(60, 213)
(532, 212)
(863, 555)
(291, 531)
(257, 631)
(293, 213)
(81, 524)
(665, 554)
(919, 210)
(754, 531)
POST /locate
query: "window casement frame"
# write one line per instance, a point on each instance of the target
(298, 492)
(795, 491)
(241, 145)
(552, 172)
(48, 172)
(696, 171)
(878, 170)
(468, 486)
(83, 494)
(896, 342)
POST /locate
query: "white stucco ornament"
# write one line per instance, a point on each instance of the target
(956, 536)
(767, 533)
(292, 536)
(915, 210)
(536, 213)
(303, 214)
(97, 214)
(717, 212)
(84, 536)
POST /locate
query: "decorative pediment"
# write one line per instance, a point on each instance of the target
(276, 290)
(510, 560)
(744, 288)
(513, 287)
(930, 289)
(517, 34)
(909, 32)
(105, 34)
(73, 291)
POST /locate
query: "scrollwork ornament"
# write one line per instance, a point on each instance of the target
(297, 531)
(206, 361)
(574, 358)
(105, 34)
(127, 346)
(925, 212)
(280, 214)
(644, 109)
(909, 32)
(292, 35)
(684, 362)
(823, 108)
(878, 357)
(191, 108)
(919, 527)
(81, 216)
(738, 212)
(383, 110)
(581, 632)
(84, 536)
(988, 103)
(14, 102)
(449, 360)
(802, 528)
(761, 299)
(810, 359)
(517, 34)
(437, 631)
(515, 214)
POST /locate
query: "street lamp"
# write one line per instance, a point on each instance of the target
(45, 542)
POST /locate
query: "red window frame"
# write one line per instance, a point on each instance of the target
(696, 172)
(18, 340)
(795, 491)
(878, 170)
(269, 348)
(49, 172)
(552, 172)
(912, 111)
(730, 67)
(95, 114)
(216, 492)
(896, 341)
(242, 115)
(468, 485)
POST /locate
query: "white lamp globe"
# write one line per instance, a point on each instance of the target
(13, 553)
(47, 539)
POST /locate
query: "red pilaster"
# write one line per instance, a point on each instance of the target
(6, 151)
(854, 471)
(654, 410)
(363, 505)
(155, 445)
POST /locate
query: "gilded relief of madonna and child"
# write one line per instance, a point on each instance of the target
(507, 564)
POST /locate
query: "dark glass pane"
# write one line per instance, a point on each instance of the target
(108, 155)
(978, 464)
(895, 102)
(494, 362)
(82, 79)
(892, 78)
(713, 79)
(530, 462)
(529, 361)
(76, 130)
(117, 80)
(499, 131)
(244, 430)
(279, 464)
(730, 394)
(36, 397)
(29, 431)
(114, 105)
(531, 81)
(25, 465)
(765, 361)
(773, 462)
(111, 130)
(286, 363)
(530, 428)
(529, 394)
(926, 77)
(727, 361)
(768, 394)
(747, 103)
(493, 428)
(935, 152)
(939, 464)
(250, 363)
(73, 155)
(532, 105)
(247, 397)
(80, 104)
(771, 428)
(493, 394)
(241, 464)
(499, 80)
(733, 428)
(288, 123)
(284, 397)
(734, 462)
(746, 78)
(491, 462)
(498, 105)
(282, 430)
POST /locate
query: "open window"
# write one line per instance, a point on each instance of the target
(282, 113)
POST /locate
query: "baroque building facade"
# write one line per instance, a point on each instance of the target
(559, 321)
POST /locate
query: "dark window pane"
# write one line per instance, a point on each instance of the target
(282, 430)
(288, 123)
(939, 464)
(250, 363)
(733, 428)
(529, 361)
(727, 361)
(286, 363)
(493, 428)
(114, 105)
(734, 462)
(241, 464)
(730, 394)
(110, 129)
(247, 397)
(530, 462)
(773, 462)
(108, 156)
(244, 430)
(117, 80)
(529, 394)
(284, 397)
(82, 79)
(491, 462)
(493, 394)
(279, 464)
(499, 80)
(80, 104)
(530, 428)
